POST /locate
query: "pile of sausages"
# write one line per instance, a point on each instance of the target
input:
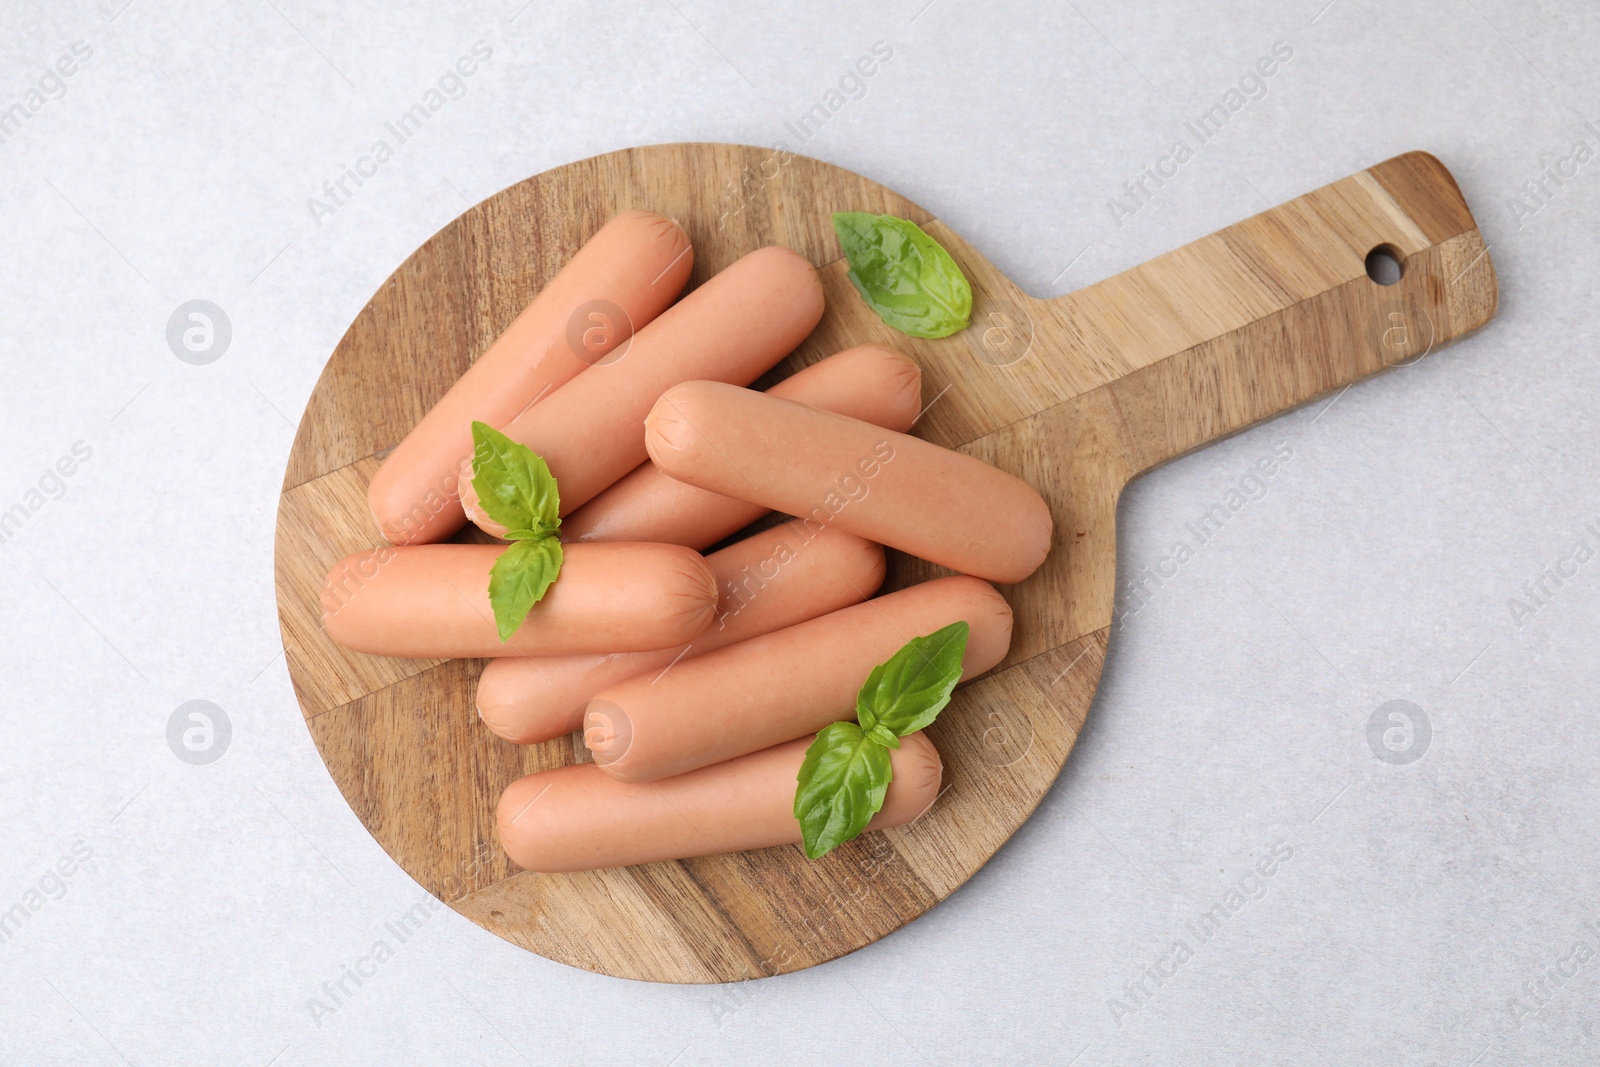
(698, 681)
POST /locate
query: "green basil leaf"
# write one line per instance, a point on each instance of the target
(883, 735)
(904, 275)
(514, 484)
(907, 691)
(518, 581)
(842, 783)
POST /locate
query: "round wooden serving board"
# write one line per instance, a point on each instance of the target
(1076, 395)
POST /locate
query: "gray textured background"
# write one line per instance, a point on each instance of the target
(1432, 912)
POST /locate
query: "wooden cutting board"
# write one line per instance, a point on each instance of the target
(1076, 395)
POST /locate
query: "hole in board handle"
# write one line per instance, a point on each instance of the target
(1385, 265)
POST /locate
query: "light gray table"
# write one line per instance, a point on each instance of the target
(1439, 911)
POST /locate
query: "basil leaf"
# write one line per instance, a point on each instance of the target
(846, 772)
(907, 691)
(842, 783)
(514, 484)
(904, 275)
(883, 735)
(518, 581)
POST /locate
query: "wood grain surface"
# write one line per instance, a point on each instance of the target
(1077, 395)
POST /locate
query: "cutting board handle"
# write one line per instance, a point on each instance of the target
(1276, 310)
(1250, 321)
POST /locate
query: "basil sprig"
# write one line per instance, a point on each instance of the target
(846, 772)
(904, 275)
(516, 489)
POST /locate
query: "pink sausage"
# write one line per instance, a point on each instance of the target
(576, 818)
(901, 491)
(638, 263)
(731, 329)
(429, 601)
(768, 581)
(870, 382)
(781, 685)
